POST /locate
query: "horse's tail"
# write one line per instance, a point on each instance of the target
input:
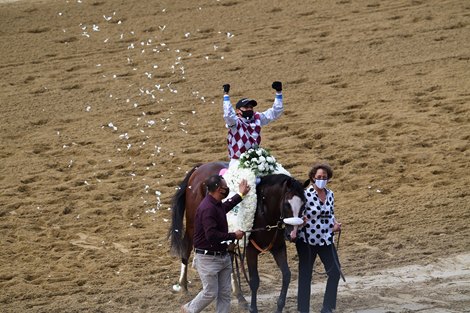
(178, 242)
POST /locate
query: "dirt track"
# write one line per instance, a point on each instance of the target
(106, 104)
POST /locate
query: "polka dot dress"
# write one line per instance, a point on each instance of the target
(319, 228)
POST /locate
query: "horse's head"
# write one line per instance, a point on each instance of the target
(293, 207)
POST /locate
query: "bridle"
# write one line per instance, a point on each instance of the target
(280, 225)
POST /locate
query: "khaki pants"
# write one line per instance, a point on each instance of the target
(215, 273)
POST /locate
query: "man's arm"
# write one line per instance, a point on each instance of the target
(211, 232)
(230, 116)
(273, 113)
(243, 189)
(232, 202)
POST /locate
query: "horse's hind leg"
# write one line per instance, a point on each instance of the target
(280, 255)
(183, 281)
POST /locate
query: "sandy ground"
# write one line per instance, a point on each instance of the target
(105, 105)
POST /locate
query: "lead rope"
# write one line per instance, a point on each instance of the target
(335, 259)
(237, 266)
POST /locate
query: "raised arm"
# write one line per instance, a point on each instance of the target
(276, 110)
(230, 117)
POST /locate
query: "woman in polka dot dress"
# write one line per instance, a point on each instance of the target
(316, 238)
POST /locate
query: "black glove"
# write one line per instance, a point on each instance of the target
(226, 88)
(277, 86)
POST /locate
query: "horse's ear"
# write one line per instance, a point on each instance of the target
(306, 183)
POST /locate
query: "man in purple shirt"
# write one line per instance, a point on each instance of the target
(211, 238)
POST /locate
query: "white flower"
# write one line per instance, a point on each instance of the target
(270, 159)
(254, 160)
(258, 152)
(261, 167)
(262, 159)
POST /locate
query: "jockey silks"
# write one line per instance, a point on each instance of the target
(244, 134)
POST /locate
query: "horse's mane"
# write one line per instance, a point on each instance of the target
(276, 179)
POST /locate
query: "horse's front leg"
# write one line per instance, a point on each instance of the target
(252, 262)
(280, 255)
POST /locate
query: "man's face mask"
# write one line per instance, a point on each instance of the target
(225, 191)
(248, 114)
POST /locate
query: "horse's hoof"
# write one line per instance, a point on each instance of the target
(243, 304)
(178, 288)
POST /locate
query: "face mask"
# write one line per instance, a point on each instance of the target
(225, 192)
(247, 114)
(321, 183)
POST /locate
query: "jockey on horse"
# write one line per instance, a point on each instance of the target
(244, 133)
(244, 125)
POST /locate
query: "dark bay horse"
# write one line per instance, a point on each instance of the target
(279, 196)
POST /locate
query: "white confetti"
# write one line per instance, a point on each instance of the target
(111, 125)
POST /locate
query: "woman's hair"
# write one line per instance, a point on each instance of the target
(213, 182)
(323, 166)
